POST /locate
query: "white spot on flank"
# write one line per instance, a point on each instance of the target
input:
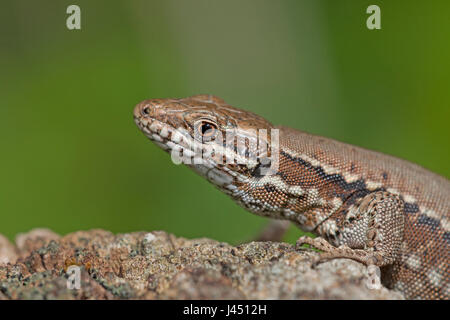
(312, 161)
(349, 178)
(296, 191)
(435, 278)
(313, 197)
(393, 191)
(279, 184)
(372, 185)
(445, 223)
(429, 213)
(329, 169)
(304, 157)
(274, 181)
(409, 198)
(414, 262)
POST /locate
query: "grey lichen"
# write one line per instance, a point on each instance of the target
(157, 265)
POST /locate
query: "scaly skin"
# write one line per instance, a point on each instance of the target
(363, 205)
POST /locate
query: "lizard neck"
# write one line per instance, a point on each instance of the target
(299, 190)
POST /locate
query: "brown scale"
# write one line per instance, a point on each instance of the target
(433, 256)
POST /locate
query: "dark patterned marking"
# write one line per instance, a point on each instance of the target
(358, 194)
(269, 188)
(357, 185)
(411, 207)
(385, 175)
(335, 178)
(433, 223)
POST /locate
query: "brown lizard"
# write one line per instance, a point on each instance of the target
(363, 205)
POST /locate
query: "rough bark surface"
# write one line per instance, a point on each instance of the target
(158, 265)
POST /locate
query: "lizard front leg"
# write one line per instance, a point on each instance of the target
(370, 232)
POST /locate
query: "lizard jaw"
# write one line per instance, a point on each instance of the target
(179, 141)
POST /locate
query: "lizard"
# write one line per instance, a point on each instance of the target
(361, 204)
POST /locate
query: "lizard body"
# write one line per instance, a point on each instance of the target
(363, 205)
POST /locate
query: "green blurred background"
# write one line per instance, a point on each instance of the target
(72, 158)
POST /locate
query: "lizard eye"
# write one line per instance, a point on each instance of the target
(146, 111)
(206, 129)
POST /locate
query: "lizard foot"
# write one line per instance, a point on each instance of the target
(332, 252)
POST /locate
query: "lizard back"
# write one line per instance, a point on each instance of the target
(341, 170)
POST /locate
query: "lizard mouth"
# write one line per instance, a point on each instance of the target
(182, 146)
(164, 135)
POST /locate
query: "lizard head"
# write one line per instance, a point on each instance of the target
(226, 145)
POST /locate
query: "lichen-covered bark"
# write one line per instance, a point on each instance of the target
(158, 265)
